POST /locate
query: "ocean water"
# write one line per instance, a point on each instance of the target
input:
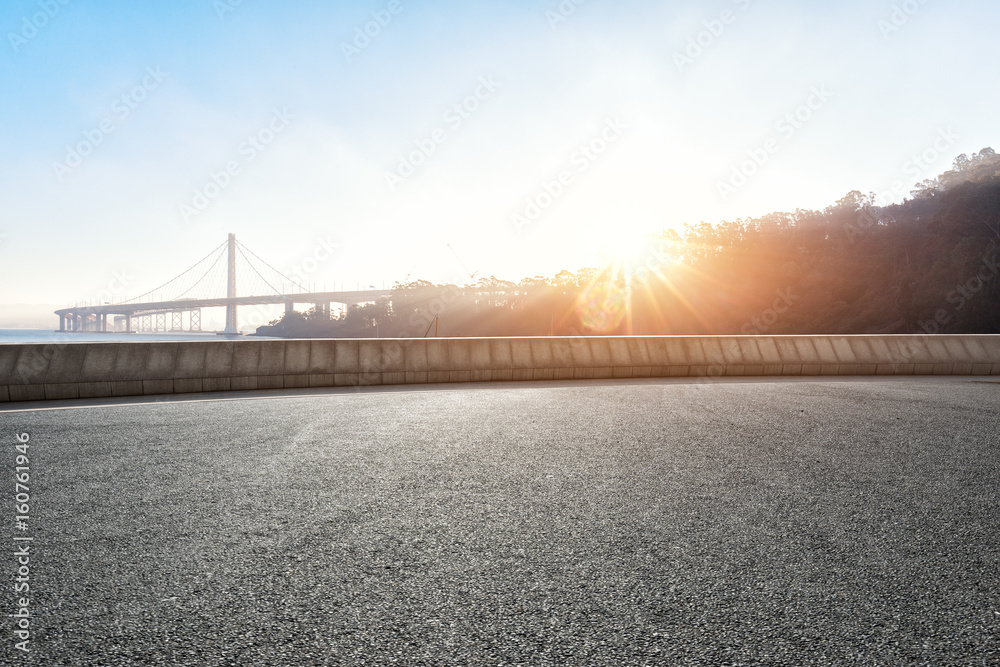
(49, 336)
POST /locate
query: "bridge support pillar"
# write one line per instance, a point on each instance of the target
(232, 325)
(62, 323)
(128, 324)
(231, 322)
(289, 307)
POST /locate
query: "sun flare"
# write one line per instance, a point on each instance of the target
(625, 249)
(634, 255)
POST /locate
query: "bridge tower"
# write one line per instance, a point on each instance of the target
(232, 327)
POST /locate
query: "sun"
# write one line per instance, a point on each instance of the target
(623, 247)
(633, 254)
(629, 262)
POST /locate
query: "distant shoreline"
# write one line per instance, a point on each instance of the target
(21, 336)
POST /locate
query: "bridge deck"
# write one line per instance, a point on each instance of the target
(347, 297)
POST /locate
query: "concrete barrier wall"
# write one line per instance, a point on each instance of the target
(98, 370)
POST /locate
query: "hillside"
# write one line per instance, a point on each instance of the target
(928, 264)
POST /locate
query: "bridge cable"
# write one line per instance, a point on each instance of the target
(179, 275)
(270, 267)
(276, 291)
(210, 268)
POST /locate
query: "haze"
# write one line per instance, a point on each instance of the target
(528, 136)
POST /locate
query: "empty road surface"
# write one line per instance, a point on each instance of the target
(851, 521)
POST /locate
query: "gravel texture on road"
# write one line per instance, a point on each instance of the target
(630, 523)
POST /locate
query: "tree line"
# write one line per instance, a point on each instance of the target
(927, 264)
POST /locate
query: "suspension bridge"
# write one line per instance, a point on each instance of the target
(210, 283)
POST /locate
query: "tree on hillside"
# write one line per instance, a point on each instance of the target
(854, 267)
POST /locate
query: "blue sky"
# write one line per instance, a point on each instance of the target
(664, 132)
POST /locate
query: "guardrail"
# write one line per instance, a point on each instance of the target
(31, 372)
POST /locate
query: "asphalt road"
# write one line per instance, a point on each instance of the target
(626, 523)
